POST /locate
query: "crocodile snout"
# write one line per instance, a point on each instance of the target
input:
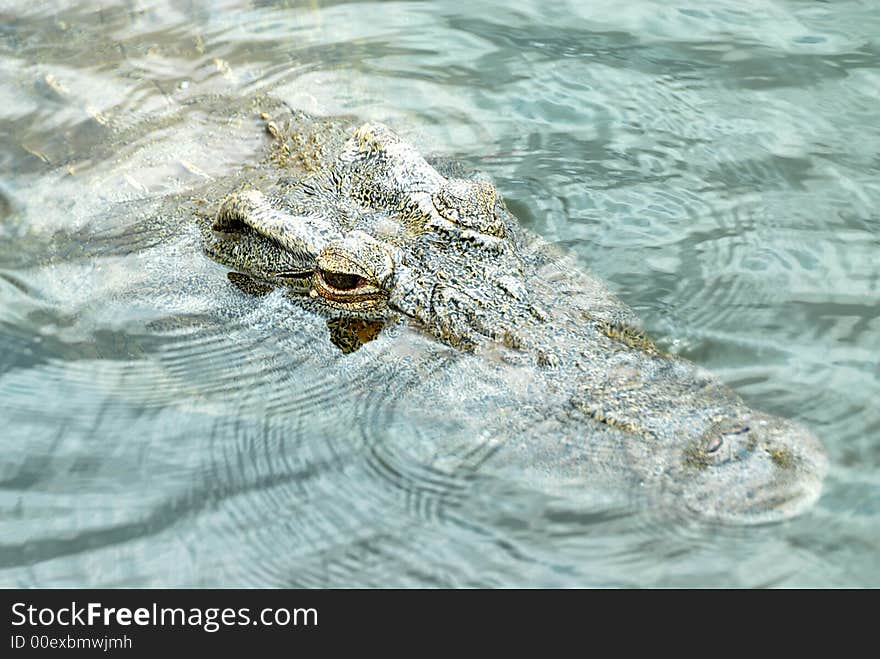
(756, 469)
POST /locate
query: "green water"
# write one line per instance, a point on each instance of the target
(716, 162)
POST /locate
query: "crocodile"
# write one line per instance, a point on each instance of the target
(363, 231)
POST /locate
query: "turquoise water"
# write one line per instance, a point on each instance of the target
(715, 162)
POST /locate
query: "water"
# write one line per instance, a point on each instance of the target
(716, 162)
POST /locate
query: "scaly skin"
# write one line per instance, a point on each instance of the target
(365, 231)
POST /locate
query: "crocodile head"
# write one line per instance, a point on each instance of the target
(377, 234)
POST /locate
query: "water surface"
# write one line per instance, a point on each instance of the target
(716, 162)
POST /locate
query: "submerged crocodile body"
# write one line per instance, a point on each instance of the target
(364, 231)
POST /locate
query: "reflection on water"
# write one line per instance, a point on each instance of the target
(715, 162)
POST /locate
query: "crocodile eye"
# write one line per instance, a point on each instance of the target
(341, 281)
(351, 274)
